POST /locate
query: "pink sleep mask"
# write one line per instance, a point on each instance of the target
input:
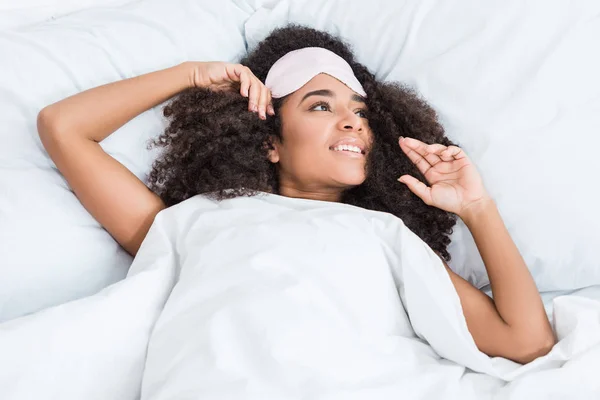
(296, 68)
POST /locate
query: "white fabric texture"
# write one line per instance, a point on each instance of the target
(318, 300)
(326, 301)
(51, 249)
(93, 348)
(19, 13)
(516, 85)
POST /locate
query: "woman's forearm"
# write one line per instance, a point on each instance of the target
(98, 112)
(516, 297)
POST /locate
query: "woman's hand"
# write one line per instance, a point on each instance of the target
(455, 184)
(226, 76)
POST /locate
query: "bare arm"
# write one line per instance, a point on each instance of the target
(71, 130)
(514, 324)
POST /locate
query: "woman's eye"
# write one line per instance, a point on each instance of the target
(362, 113)
(320, 107)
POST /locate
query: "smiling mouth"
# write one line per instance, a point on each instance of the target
(348, 148)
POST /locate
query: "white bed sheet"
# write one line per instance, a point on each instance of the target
(268, 298)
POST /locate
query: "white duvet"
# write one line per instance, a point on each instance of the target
(270, 297)
(279, 298)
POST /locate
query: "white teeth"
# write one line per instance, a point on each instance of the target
(347, 147)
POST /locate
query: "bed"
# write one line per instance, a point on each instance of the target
(514, 83)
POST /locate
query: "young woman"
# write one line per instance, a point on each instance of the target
(321, 127)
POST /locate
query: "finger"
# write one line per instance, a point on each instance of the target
(245, 82)
(417, 187)
(233, 77)
(234, 71)
(429, 151)
(446, 167)
(433, 153)
(454, 152)
(417, 145)
(263, 102)
(270, 108)
(417, 159)
(445, 156)
(254, 95)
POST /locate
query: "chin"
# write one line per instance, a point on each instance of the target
(351, 180)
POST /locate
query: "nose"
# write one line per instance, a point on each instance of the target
(349, 121)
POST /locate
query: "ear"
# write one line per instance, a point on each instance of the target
(273, 156)
(273, 146)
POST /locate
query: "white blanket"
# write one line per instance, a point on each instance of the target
(287, 299)
(277, 298)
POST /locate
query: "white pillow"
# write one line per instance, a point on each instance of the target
(51, 249)
(515, 84)
(92, 348)
(25, 12)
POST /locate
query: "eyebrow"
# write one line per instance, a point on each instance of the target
(329, 93)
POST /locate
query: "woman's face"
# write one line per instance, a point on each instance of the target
(326, 138)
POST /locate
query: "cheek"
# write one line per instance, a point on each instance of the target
(370, 136)
(306, 137)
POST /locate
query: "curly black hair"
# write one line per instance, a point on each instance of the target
(214, 146)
